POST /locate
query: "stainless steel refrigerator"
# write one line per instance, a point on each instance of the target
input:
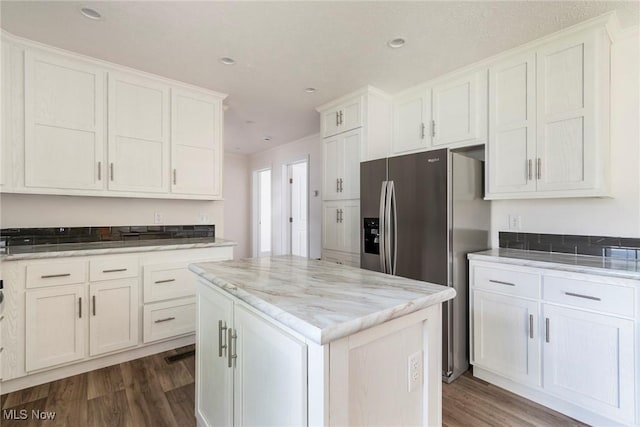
(420, 215)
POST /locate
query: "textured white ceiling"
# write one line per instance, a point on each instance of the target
(283, 47)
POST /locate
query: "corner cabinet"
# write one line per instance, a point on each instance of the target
(84, 126)
(549, 120)
(253, 373)
(565, 340)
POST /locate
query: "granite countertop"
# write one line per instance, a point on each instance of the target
(19, 253)
(322, 301)
(629, 269)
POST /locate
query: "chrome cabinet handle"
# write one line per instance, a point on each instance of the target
(337, 216)
(341, 216)
(221, 341)
(341, 185)
(93, 301)
(111, 170)
(337, 119)
(99, 171)
(433, 128)
(232, 336)
(546, 327)
(422, 132)
(114, 270)
(531, 326)
(165, 281)
(175, 177)
(539, 168)
(499, 282)
(341, 121)
(166, 319)
(337, 185)
(571, 294)
(51, 276)
(529, 169)
(80, 308)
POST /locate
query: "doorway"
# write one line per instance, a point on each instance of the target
(262, 212)
(297, 208)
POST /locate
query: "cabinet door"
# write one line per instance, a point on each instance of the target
(350, 165)
(349, 226)
(331, 228)
(113, 315)
(64, 123)
(55, 325)
(512, 130)
(411, 122)
(589, 360)
(270, 378)
(331, 122)
(332, 159)
(351, 115)
(214, 379)
(506, 338)
(566, 79)
(196, 143)
(138, 134)
(459, 110)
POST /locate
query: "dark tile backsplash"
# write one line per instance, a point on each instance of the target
(613, 247)
(58, 235)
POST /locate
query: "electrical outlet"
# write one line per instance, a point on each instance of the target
(157, 218)
(415, 371)
(515, 222)
(204, 218)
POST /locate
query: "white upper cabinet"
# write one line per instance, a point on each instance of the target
(549, 120)
(342, 118)
(412, 122)
(138, 134)
(64, 123)
(196, 143)
(512, 130)
(460, 110)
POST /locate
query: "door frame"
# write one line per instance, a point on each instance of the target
(286, 204)
(255, 212)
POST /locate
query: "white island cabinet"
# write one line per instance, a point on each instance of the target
(291, 341)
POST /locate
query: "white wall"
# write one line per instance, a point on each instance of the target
(237, 202)
(23, 210)
(616, 216)
(309, 147)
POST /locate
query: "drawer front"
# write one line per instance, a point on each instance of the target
(168, 280)
(510, 282)
(116, 268)
(56, 273)
(168, 319)
(589, 294)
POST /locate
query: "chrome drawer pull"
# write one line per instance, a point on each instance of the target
(165, 281)
(164, 320)
(232, 336)
(51, 276)
(546, 332)
(571, 294)
(221, 341)
(531, 326)
(502, 283)
(114, 270)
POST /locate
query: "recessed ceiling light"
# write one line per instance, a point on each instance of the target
(227, 61)
(249, 122)
(266, 138)
(396, 43)
(310, 89)
(87, 12)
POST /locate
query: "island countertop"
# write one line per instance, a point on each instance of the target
(320, 300)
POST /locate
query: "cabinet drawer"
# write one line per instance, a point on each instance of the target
(167, 281)
(56, 273)
(169, 319)
(510, 282)
(117, 268)
(589, 294)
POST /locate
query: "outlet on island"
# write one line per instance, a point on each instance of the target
(415, 371)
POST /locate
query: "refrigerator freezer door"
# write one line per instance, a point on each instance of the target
(373, 174)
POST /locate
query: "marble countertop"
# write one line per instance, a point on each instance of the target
(565, 262)
(322, 301)
(19, 253)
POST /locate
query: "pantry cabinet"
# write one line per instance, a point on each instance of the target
(64, 122)
(341, 158)
(249, 356)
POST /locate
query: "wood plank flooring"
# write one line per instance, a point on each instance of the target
(150, 392)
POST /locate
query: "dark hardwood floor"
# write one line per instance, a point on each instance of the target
(151, 392)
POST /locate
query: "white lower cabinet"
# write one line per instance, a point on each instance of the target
(341, 231)
(580, 356)
(253, 374)
(113, 321)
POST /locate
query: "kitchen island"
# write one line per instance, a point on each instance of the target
(291, 341)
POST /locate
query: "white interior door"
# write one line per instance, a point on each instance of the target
(298, 212)
(263, 212)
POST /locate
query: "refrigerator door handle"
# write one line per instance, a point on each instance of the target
(393, 202)
(381, 240)
(387, 227)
